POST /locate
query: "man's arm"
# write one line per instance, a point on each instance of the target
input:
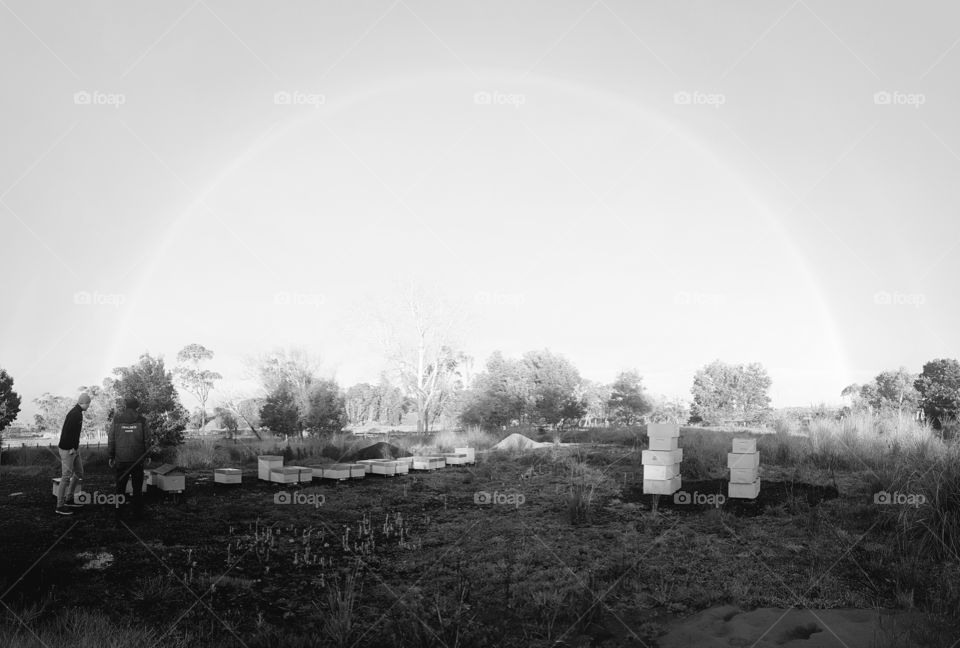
(70, 432)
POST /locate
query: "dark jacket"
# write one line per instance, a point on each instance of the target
(70, 433)
(128, 438)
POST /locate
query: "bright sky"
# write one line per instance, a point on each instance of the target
(633, 185)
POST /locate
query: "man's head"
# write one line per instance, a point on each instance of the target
(84, 401)
(131, 403)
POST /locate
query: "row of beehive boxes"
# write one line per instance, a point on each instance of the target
(661, 463)
(744, 465)
(271, 468)
(165, 477)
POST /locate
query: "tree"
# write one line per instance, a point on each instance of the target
(151, 384)
(297, 370)
(51, 410)
(245, 409)
(895, 391)
(939, 388)
(280, 412)
(227, 419)
(552, 386)
(193, 379)
(669, 410)
(361, 403)
(9, 400)
(327, 411)
(723, 392)
(628, 403)
(498, 395)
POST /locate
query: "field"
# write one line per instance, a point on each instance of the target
(550, 547)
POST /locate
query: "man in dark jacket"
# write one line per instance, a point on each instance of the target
(128, 444)
(71, 468)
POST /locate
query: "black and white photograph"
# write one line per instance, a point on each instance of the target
(455, 324)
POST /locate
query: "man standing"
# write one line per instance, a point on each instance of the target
(71, 467)
(127, 446)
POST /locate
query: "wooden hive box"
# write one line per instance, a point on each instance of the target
(168, 478)
(267, 463)
(666, 444)
(403, 466)
(661, 486)
(304, 474)
(661, 457)
(336, 471)
(663, 431)
(741, 461)
(227, 476)
(406, 460)
(357, 470)
(386, 468)
(368, 464)
(744, 491)
(661, 472)
(744, 475)
(428, 463)
(744, 446)
(470, 452)
(455, 459)
(286, 475)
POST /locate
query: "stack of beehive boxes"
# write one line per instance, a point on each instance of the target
(267, 463)
(661, 463)
(744, 464)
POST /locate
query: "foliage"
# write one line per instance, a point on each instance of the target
(628, 403)
(193, 379)
(725, 392)
(280, 412)
(9, 400)
(939, 389)
(326, 410)
(152, 385)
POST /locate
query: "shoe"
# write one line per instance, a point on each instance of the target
(62, 510)
(74, 505)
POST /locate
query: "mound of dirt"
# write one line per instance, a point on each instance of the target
(519, 442)
(379, 450)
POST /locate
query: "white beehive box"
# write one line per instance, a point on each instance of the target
(406, 460)
(403, 465)
(662, 430)
(168, 478)
(368, 464)
(744, 475)
(455, 459)
(744, 491)
(267, 463)
(666, 444)
(304, 474)
(387, 468)
(56, 486)
(661, 472)
(741, 461)
(428, 463)
(357, 470)
(285, 475)
(744, 446)
(336, 471)
(227, 476)
(661, 486)
(470, 452)
(661, 457)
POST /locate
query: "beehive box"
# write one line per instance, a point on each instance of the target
(386, 468)
(357, 470)
(56, 486)
(336, 471)
(661, 486)
(368, 464)
(665, 444)
(285, 475)
(408, 461)
(304, 474)
(744, 491)
(168, 478)
(661, 472)
(662, 430)
(742, 461)
(661, 457)
(227, 476)
(744, 446)
(455, 459)
(428, 463)
(266, 464)
(402, 465)
(470, 452)
(744, 475)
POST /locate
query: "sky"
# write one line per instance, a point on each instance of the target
(634, 185)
